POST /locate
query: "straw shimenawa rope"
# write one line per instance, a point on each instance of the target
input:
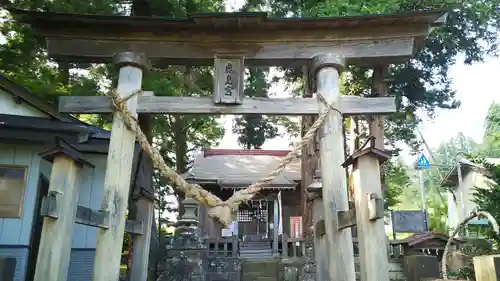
(220, 210)
(474, 214)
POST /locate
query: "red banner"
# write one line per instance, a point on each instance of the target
(296, 227)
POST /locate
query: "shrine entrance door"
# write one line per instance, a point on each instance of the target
(253, 220)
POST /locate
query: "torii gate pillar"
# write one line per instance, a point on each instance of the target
(118, 171)
(339, 252)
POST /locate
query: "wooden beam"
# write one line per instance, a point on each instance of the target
(272, 42)
(339, 246)
(348, 105)
(55, 242)
(487, 268)
(118, 173)
(161, 53)
(86, 216)
(346, 219)
(319, 228)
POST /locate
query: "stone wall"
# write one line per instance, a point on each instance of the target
(304, 269)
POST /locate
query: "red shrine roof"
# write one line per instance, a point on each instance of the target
(215, 152)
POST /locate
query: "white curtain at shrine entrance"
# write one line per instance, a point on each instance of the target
(280, 215)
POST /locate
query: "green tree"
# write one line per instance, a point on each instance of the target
(491, 139)
(449, 152)
(397, 182)
(487, 198)
(23, 59)
(254, 130)
(423, 82)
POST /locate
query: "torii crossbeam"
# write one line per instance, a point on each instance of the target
(229, 41)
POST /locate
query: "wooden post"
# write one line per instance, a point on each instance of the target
(118, 172)
(320, 248)
(340, 254)
(376, 125)
(369, 206)
(487, 268)
(142, 243)
(55, 242)
(144, 206)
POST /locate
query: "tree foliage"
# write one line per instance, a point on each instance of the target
(254, 130)
(423, 82)
(491, 139)
(398, 181)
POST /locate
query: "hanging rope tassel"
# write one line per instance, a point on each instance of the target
(223, 211)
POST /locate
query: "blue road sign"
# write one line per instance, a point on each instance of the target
(423, 163)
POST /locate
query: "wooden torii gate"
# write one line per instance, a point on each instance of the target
(229, 41)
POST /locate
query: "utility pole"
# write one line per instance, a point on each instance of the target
(422, 189)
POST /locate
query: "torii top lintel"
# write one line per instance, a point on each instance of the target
(195, 40)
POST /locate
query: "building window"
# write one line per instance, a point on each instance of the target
(12, 188)
(244, 216)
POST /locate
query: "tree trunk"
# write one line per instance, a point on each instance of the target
(376, 125)
(353, 147)
(309, 161)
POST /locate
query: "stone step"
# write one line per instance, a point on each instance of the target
(259, 278)
(256, 250)
(264, 264)
(266, 273)
(260, 269)
(254, 244)
(266, 279)
(256, 255)
(256, 275)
